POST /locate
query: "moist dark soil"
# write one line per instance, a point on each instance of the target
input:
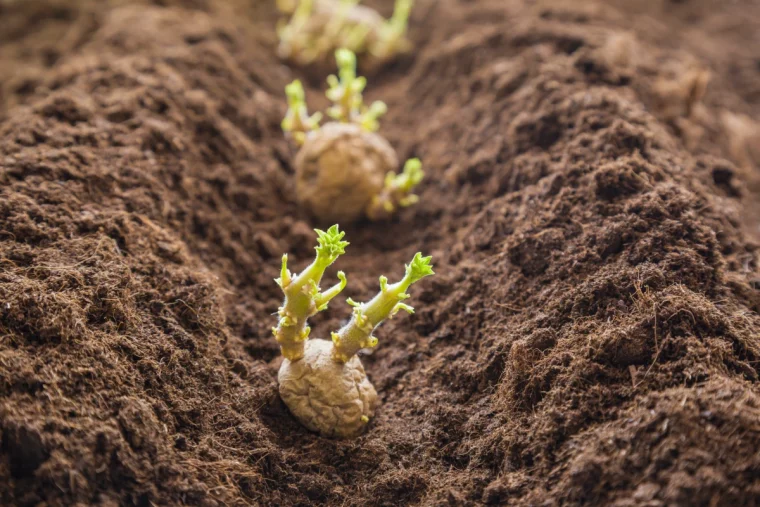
(592, 204)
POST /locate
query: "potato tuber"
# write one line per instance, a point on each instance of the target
(339, 171)
(344, 169)
(323, 383)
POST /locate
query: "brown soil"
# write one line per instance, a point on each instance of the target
(591, 337)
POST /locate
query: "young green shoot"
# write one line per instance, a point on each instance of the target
(297, 120)
(392, 34)
(346, 94)
(369, 117)
(354, 37)
(293, 33)
(338, 29)
(346, 88)
(303, 298)
(397, 191)
(357, 334)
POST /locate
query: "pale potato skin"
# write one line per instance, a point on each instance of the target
(339, 169)
(330, 398)
(323, 12)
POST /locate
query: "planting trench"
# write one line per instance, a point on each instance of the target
(591, 335)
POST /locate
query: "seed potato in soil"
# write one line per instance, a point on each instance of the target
(591, 203)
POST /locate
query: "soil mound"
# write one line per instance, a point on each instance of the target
(591, 336)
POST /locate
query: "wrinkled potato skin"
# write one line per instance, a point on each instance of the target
(339, 169)
(327, 397)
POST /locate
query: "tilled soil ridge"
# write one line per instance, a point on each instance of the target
(591, 335)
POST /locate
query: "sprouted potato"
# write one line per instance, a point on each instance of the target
(323, 382)
(318, 27)
(345, 169)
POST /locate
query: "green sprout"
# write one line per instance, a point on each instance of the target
(345, 89)
(368, 119)
(354, 37)
(357, 334)
(303, 298)
(405, 182)
(346, 94)
(392, 34)
(397, 191)
(338, 30)
(293, 34)
(297, 120)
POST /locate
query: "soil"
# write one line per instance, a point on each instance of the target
(592, 203)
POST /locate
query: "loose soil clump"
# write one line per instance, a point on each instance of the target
(590, 200)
